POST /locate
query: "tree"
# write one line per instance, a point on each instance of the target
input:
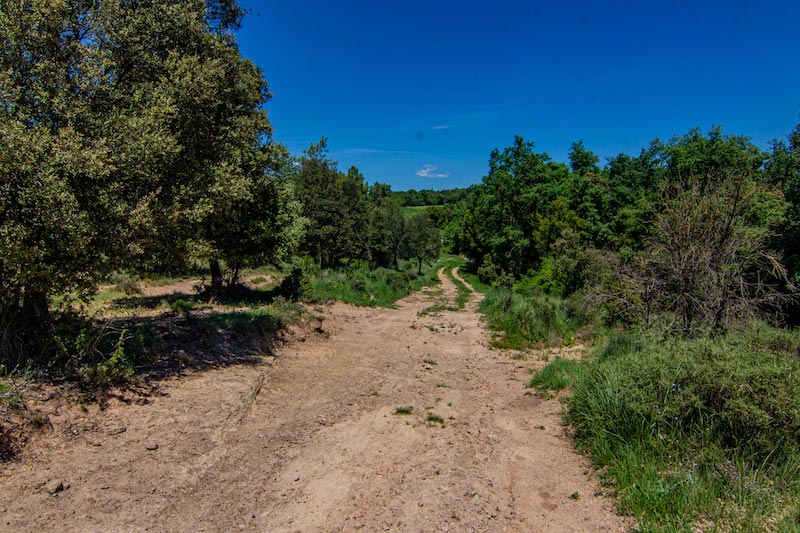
(422, 240)
(131, 131)
(355, 214)
(782, 170)
(704, 262)
(334, 206)
(509, 206)
(387, 234)
(262, 225)
(581, 160)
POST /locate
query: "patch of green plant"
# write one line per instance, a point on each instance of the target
(10, 396)
(403, 410)
(436, 419)
(464, 294)
(257, 321)
(361, 285)
(129, 286)
(556, 376)
(523, 321)
(181, 306)
(411, 210)
(434, 309)
(114, 370)
(698, 431)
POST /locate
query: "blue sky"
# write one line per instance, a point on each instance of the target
(418, 93)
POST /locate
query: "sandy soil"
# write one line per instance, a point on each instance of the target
(309, 441)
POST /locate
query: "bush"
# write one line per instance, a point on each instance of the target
(129, 286)
(295, 285)
(679, 424)
(360, 285)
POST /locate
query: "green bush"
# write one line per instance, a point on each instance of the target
(258, 321)
(296, 285)
(116, 370)
(701, 428)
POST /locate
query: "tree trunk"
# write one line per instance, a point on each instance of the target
(30, 327)
(419, 270)
(216, 279)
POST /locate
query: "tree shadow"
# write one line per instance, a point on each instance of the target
(232, 295)
(171, 344)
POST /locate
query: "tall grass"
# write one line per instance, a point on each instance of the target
(361, 285)
(556, 376)
(696, 433)
(522, 321)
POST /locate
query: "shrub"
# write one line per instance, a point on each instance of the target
(129, 286)
(295, 285)
(695, 427)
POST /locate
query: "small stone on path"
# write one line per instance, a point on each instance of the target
(54, 487)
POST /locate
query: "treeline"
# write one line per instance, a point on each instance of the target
(413, 197)
(703, 228)
(134, 138)
(348, 221)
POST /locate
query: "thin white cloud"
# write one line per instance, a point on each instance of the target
(429, 171)
(442, 127)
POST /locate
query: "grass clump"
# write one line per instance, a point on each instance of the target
(436, 419)
(696, 431)
(403, 410)
(258, 320)
(556, 376)
(524, 320)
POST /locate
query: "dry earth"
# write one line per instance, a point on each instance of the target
(309, 441)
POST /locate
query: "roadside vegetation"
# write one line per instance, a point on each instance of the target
(680, 267)
(696, 432)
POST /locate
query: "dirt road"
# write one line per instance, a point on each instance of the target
(309, 441)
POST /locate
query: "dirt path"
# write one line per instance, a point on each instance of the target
(309, 441)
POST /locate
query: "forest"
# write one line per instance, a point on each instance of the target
(130, 152)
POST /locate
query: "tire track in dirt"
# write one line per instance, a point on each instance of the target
(310, 442)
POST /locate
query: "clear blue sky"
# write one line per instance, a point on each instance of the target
(418, 93)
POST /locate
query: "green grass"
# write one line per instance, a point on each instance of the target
(556, 376)
(463, 295)
(360, 285)
(403, 410)
(412, 210)
(261, 320)
(696, 432)
(436, 419)
(523, 321)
